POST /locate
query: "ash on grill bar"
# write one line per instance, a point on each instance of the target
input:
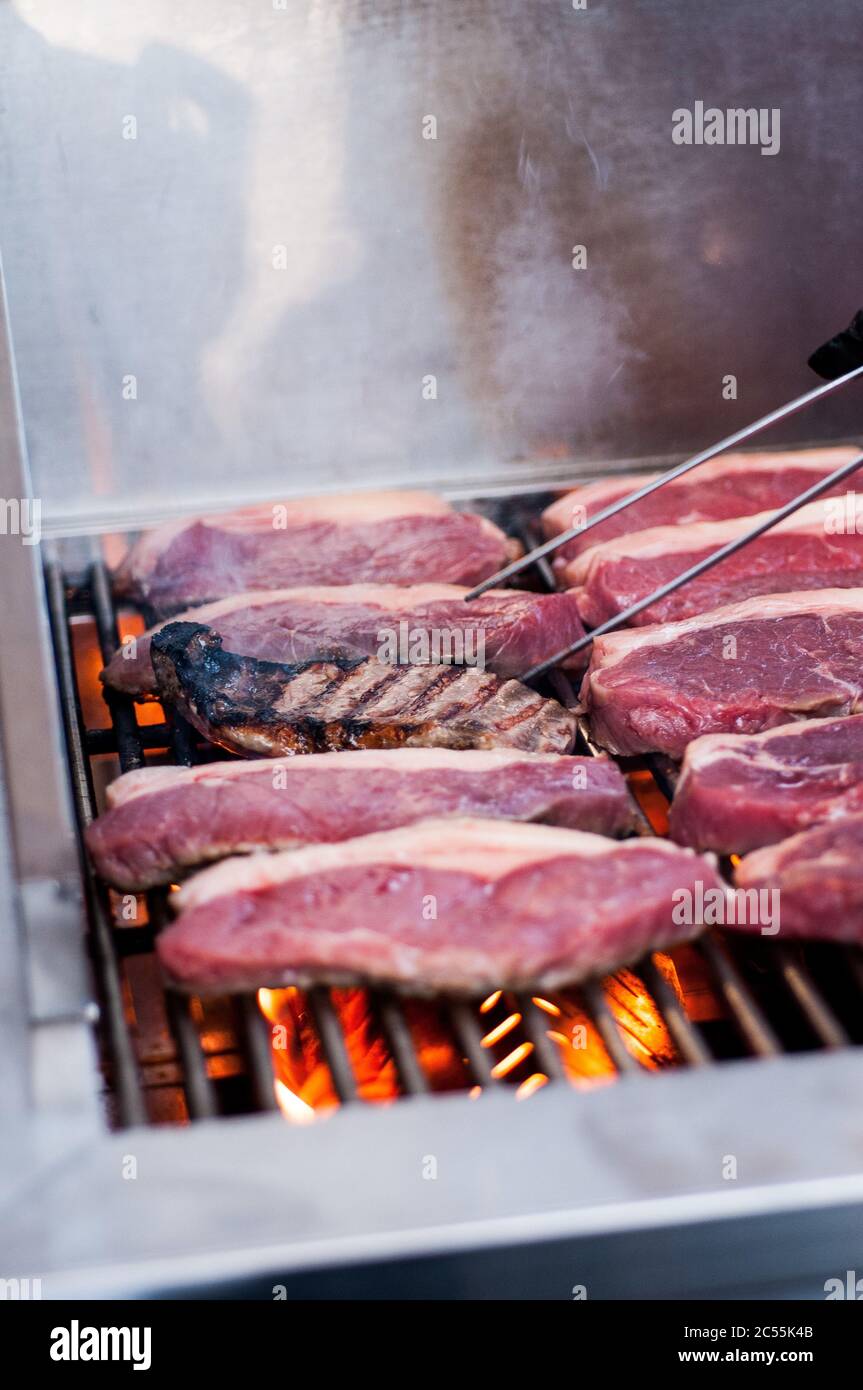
(368, 934)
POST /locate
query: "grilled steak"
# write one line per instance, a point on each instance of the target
(729, 486)
(379, 538)
(504, 631)
(163, 821)
(738, 669)
(268, 708)
(738, 792)
(457, 905)
(818, 875)
(800, 553)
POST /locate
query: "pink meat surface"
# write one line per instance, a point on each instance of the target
(801, 553)
(163, 821)
(728, 486)
(738, 669)
(378, 538)
(508, 629)
(463, 906)
(818, 876)
(738, 792)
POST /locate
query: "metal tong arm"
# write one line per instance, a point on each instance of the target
(781, 413)
(620, 619)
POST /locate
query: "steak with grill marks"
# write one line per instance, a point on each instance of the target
(335, 702)
(506, 630)
(515, 906)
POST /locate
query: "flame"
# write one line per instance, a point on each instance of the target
(292, 1106)
(650, 799)
(88, 665)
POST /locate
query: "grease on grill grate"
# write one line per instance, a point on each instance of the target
(170, 1058)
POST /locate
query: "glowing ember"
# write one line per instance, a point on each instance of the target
(514, 1059)
(531, 1085)
(547, 1006)
(501, 1030)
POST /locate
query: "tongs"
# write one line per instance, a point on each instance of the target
(839, 361)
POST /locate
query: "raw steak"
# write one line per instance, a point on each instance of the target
(728, 486)
(819, 878)
(739, 669)
(505, 631)
(738, 792)
(267, 708)
(464, 906)
(379, 538)
(800, 553)
(162, 821)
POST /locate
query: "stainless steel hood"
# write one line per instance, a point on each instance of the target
(235, 262)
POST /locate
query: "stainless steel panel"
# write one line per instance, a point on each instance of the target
(257, 1197)
(300, 126)
(43, 967)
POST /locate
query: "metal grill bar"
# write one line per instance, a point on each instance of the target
(606, 1026)
(545, 1049)
(739, 1000)
(124, 1064)
(692, 1047)
(332, 1038)
(469, 1035)
(258, 1049)
(820, 1017)
(398, 1035)
(200, 1094)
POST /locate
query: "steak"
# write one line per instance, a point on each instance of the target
(818, 875)
(800, 553)
(378, 538)
(728, 486)
(738, 792)
(274, 709)
(465, 906)
(505, 631)
(163, 821)
(738, 669)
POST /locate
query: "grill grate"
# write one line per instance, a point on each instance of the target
(768, 998)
